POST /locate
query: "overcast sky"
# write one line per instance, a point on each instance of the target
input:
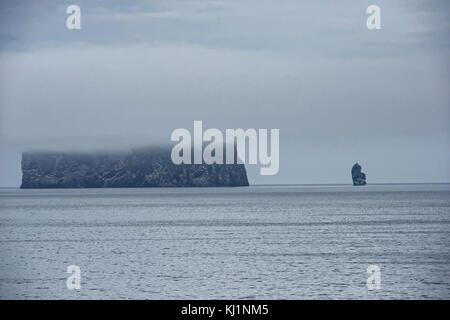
(137, 70)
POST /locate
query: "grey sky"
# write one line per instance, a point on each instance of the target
(137, 70)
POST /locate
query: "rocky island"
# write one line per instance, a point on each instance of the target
(359, 178)
(144, 167)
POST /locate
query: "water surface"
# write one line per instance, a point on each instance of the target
(262, 242)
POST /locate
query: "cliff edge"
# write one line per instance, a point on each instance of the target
(145, 167)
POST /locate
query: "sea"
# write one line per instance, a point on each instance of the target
(386, 241)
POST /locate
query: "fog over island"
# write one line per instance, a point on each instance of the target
(338, 92)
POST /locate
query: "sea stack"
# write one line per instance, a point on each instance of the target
(144, 167)
(359, 178)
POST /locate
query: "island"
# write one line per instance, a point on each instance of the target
(141, 167)
(359, 178)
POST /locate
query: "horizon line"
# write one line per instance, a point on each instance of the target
(262, 185)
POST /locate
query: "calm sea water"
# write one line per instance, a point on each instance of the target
(277, 242)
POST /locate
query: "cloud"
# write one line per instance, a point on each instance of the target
(139, 70)
(322, 28)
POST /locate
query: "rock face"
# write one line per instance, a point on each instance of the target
(146, 167)
(359, 178)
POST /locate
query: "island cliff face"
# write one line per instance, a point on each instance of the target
(359, 178)
(146, 167)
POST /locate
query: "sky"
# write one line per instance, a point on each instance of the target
(137, 70)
